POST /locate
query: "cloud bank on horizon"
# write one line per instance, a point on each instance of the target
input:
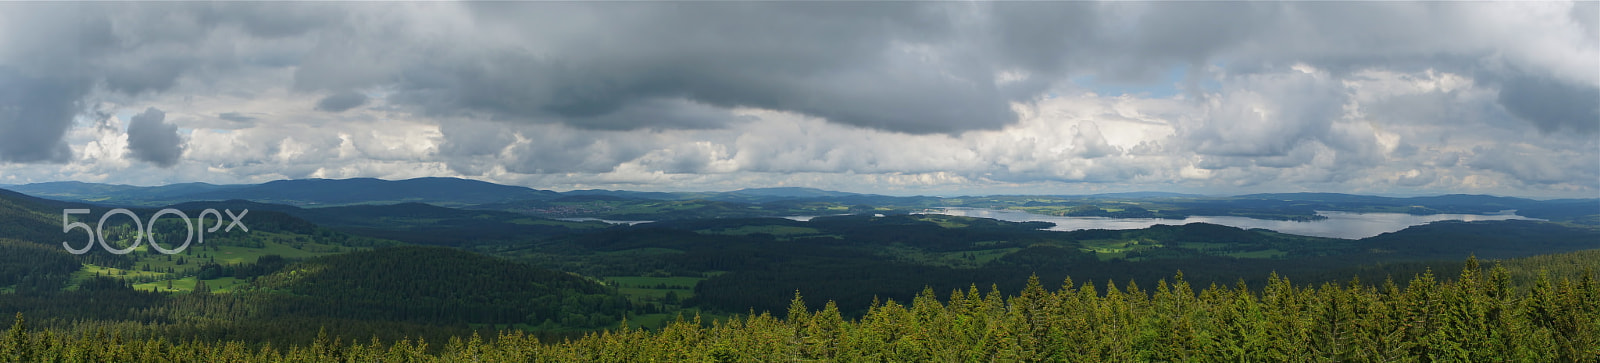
(884, 97)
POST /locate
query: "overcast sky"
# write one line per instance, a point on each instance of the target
(942, 98)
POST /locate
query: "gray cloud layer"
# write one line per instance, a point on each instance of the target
(1552, 105)
(342, 101)
(35, 113)
(1270, 91)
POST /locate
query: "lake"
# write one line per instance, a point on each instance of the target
(1338, 225)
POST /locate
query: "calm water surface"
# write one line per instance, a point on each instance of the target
(1338, 225)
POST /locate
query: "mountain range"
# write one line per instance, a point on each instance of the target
(457, 191)
(773, 202)
(338, 192)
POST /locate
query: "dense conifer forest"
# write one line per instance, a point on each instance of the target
(1480, 314)
(863, 287)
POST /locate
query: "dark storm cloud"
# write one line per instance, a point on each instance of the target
(880, 65)
(897, 66)
(266, 19)
(152, 139)
(154, 75)
(1552, 105)
(235, 117)
(34, 115)
(659, 114)
(339, 102)
(54, 54)
(905, 67)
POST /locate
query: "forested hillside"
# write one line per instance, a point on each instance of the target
(440, 286)
(387, 293)
(315, 284)
(27, 218)
(419, 223)
(1477, 316)
(733, 265)
(776, 202)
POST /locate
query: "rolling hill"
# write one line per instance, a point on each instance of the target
(433, 285)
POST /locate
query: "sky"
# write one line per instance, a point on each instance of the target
(900, 98)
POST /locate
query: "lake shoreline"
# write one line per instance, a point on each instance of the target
(1334, 224)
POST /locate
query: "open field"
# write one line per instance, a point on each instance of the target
(642, 290)
(187, 284)
(151, 269)
(952, 259)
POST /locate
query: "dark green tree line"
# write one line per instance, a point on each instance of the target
(1477, 316)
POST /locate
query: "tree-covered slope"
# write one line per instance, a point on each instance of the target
(749, 263)
(418, 223)
(1486, 239)
(440, 285)
(1478, 316)
(31, 219)
(387, 294)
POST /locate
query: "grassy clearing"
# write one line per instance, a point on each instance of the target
(227, 255)
(1118, 245)
(151, 269)
(641, 289)
(90, 270)
(953, 259)
(943, 222)
(187, 284)
(1111, 249)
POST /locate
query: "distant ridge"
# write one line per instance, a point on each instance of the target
(322, 192)
(625, 194)
(796, 192)
(481, 195)
(299, 192)
(32, 219)
(1145, 195)
(1448, 199)
(70, 188)
(747, 195)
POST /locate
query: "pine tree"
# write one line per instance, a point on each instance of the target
(15, 346)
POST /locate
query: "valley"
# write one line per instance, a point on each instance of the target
(419, 270)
